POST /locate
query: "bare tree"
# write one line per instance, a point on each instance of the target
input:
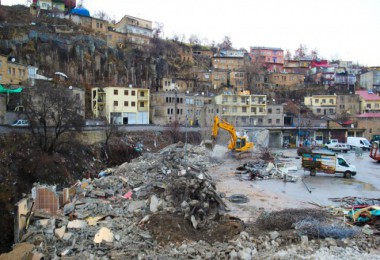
(102, 15)
(253, 69)
(288, 55)
(226, 44)
(301, 52)
(52, 110)
(194, 40)
(158, 30)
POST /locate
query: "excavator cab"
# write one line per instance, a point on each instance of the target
(237, 144)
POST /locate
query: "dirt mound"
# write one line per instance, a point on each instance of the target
(171, 228)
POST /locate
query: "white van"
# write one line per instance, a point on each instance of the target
(360, 142)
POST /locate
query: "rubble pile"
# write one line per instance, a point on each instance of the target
(259, 169)
(163, 206)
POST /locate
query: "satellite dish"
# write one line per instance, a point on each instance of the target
(13, 60)
(71, 87)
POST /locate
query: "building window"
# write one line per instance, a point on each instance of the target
(253, 110)
(234, 99)
(133, 103)
(269, 120)
(331, 111)
(278, 111)
(277, 121)
(234, 109)
(261, 109)
(331, 101)
(318, 110)
(260, 121)
(323, 101)
(243, 100)
(142, 104)
(133, 93)
(244, 109)
(316, 100)
(115, 92)
(168, 111)
(115, 103)
(142, 94)
(125, 103)
(126, 92)
(269, 110)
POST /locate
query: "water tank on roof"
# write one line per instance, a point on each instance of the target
(80, 10)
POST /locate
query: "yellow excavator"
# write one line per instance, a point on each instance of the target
(237, 145)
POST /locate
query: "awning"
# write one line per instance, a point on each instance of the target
(5, 90)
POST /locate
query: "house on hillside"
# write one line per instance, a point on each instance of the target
(371, 80)
(272, 58)
(12, 72)
(369, 101)
(322, 105)
(291, 80)
(121, 105)
(139, 30)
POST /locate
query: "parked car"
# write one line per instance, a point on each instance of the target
(331, 143)
(359, 142)
(340, 147)
(20, 122)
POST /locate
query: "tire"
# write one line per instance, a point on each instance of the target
(347, 175)
(363, 148)
(313, 172)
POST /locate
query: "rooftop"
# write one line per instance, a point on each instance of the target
(368, 95)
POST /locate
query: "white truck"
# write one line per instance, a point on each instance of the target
(328, 163)
(359, 142)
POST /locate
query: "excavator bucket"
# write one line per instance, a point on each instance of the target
(209, 144)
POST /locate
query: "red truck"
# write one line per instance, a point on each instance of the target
(374, 153)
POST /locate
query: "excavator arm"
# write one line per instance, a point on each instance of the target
(226, 126)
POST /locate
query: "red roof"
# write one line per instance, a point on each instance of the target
(321, 63)
(367, 96)
(373, 115)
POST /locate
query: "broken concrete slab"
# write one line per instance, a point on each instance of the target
(135, 205)
(81, 224)
(104, 235)
(154, 201)
(59, 232)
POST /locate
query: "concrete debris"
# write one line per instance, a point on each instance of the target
(104, 235)
(166, 206)
(82, 224)
(261, 170)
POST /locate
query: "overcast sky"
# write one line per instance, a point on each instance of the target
(339, 29)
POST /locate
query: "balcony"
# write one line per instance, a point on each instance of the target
(143, 98)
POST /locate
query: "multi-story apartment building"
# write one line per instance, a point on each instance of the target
(242, 108)
(12, 72)
(349, 104)
(322, 104)
(135, 27)
(121, 105)
(369, 101)
(273, 58)
(275, 115)
(370, 80)
(167, 107)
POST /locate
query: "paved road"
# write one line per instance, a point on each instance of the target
(324, 186)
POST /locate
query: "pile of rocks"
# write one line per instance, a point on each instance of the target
(108, 218)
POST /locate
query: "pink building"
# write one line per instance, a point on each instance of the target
(273, 58)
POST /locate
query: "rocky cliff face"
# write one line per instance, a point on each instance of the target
(83, 55)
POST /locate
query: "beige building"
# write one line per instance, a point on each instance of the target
(349, 104)
(167, 107)
(322, 104)
(12, 72)
(370, 122)
(275, 115)
(139, 30)
(121, 105)
(242, 108)
(369, 101)
(285, 79)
